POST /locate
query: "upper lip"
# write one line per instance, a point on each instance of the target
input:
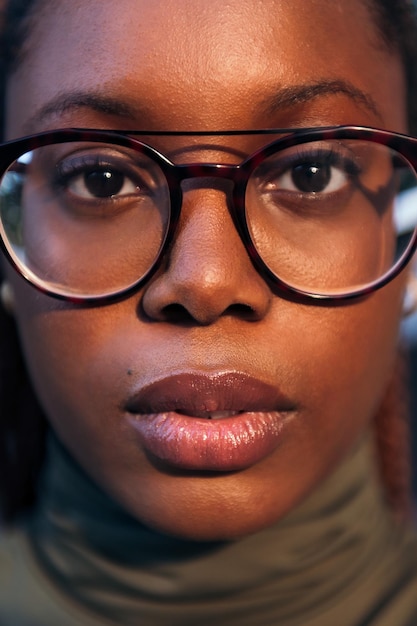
(193, 393)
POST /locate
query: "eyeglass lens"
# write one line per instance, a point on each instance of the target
(331, 217)
(326, 217)
(85, 218)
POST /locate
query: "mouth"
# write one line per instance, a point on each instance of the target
(222, 422)
(212, 415)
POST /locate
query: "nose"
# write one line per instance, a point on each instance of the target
(207, 273)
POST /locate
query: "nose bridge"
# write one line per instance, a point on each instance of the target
(210, 187)
(208, 180)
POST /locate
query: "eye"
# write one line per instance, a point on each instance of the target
(322, 172)
(101, 182)
(99, 177)
(313, 178)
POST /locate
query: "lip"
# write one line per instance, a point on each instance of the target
(162, 415)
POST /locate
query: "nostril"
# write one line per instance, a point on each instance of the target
(177, 314)
(242, 311)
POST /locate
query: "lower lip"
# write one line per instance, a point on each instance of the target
(222, 445)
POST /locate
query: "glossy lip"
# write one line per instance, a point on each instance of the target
(163, 417)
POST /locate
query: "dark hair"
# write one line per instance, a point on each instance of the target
(396, 22)
(22, 424)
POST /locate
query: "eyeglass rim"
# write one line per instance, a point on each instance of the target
(403, 144)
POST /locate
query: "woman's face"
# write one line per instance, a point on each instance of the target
(294, 385)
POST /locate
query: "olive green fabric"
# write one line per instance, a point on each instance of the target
(338, 559)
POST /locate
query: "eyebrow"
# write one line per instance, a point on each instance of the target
(74, 100)
(282, 99)
(291, 96)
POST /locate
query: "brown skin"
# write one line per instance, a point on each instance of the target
(190, 64)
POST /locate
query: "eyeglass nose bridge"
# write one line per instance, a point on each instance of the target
(209, 173)
(238, 175)
(222, 171)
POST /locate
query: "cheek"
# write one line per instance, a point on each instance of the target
(345, 358)
(74, 356)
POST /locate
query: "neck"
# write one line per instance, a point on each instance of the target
(115, 567)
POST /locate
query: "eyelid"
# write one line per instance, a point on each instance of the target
(345, 160)
(78, 164)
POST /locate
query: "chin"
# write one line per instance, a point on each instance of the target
(198, 520)
(211, 530)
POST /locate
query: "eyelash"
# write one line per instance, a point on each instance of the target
(67, 171)
(324, 157)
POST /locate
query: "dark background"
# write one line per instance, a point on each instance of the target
(410, 337)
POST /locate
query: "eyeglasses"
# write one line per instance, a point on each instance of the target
(324, 213)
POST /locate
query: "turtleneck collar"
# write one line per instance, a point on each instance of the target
(291, 573)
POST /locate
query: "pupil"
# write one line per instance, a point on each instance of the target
(103, 184)
(311, 177)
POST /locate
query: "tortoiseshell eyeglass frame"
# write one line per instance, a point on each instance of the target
(239, 174)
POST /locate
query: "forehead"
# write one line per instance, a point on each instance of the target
(192, 63)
